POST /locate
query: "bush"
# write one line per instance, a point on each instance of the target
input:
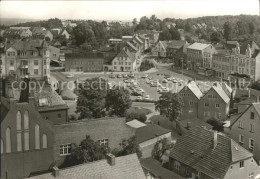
(146, 65)
(216, 125)
(138, 114)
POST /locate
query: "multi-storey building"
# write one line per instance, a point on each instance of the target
(203, 153)
(245, 66)
(199, 58)
(221, 64)
(246, 130)
(84, 62)
(28, 57)
(214, 104)
(191, 95)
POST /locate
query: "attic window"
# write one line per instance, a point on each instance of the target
(43, 102)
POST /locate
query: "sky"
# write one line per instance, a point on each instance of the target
(125, 10)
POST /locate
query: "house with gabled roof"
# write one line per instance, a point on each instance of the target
(246, 129)
(42, 33)
(214, 104)
(203, 153)
(160, 49)
(191, 94)
(17, 33)
(124, 61)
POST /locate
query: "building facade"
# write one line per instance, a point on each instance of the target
(29, 57)
(221, 65)
(84, 62)
(246, 130)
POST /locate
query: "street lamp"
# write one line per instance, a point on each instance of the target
(182, 68)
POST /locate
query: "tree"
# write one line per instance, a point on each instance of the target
(54, 23)
(165, 35)
(188, 39)
(161, 149)
(187, 27)
(256, 85)
(87, 151)
(127, 147)
(118, 101)
(251, 28)
(116, 30)
(175, 34)
(134, 21)
(242, 27)
(170, 105)
(217, 125)
(215, 37)
(92, 98)
(84, 33)
(228, 30)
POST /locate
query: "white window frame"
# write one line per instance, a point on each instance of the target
(241, 137)
(251, 144)
(65, 149)
(103, 142)
(177, 165)
(241, 164)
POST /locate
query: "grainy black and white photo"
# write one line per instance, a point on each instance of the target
(126, 89)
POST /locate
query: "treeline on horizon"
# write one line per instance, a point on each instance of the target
(91, 33)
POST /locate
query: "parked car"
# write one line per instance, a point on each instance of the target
(131, 75)
(125, 75)
(147, 97)
(139, 98)
(112, 76)
(140, 90)
(150, 78)
(119, 76)
(145, 76)
(69, 75)
(165, 81)
(148, 81)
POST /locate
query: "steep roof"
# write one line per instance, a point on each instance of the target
(24, 45)
(195, 89)
(221, 92)
(125, 167)
(135, 124)
(195, 149)
(149, 132)
(198, 46)
(127, 53)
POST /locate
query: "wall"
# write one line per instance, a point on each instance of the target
(115, 131)
(86, 64)
(236, 131)
(118, 64)
(52, 115)
(223, 108)
(22, 163)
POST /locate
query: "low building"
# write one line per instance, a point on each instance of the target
(84, 62)
(246, 129)
(73, 133)
(42, 33)
(160, 49)
(176, 46)
(60, 32)
(124, 167)
(203, 153)
(147, 137)
(17, 33)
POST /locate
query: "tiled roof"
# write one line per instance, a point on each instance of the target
(135, 124)
(257, 107)
(198, 46)
(12, 32)
(138, 40)
(27, 45)
(126, 52)
(149, 132)
(221, 92)
(195, 89)
(195, 149)
(126, 167)
(132, 46)
(194, 122)
(154, 167)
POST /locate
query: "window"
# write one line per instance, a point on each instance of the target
(59, 115)
(206, 104)
(252, 115)
(2, 146)
(35, 71)
(241, 139)
(177, 165)
(36, 62)
(198, 174)
(217, 105)
(209, 96)
(19, 131)
(114, 63)
(44, 71)
(8, 140)
(26, 130)
(252, 128)
(44, 62)
(251, 144)
(241, 125)
(44, 141)
(191, 103)
(103, 143)
(241, 164)
(65, 149)
(37, 136)
(11, 63)
(187, 170)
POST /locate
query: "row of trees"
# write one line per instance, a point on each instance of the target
(96, 100)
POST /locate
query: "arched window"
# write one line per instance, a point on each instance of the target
(26, 130)
(44, 141)
(37, 136)
(19, 131)
(2, 146)
(8, 140)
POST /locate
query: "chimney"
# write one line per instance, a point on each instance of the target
(55, 171)
(24, 96)
(188, 125)
(249, 93)
(215, 139)
(111, 159)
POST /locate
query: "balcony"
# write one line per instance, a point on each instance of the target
(23, 66)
